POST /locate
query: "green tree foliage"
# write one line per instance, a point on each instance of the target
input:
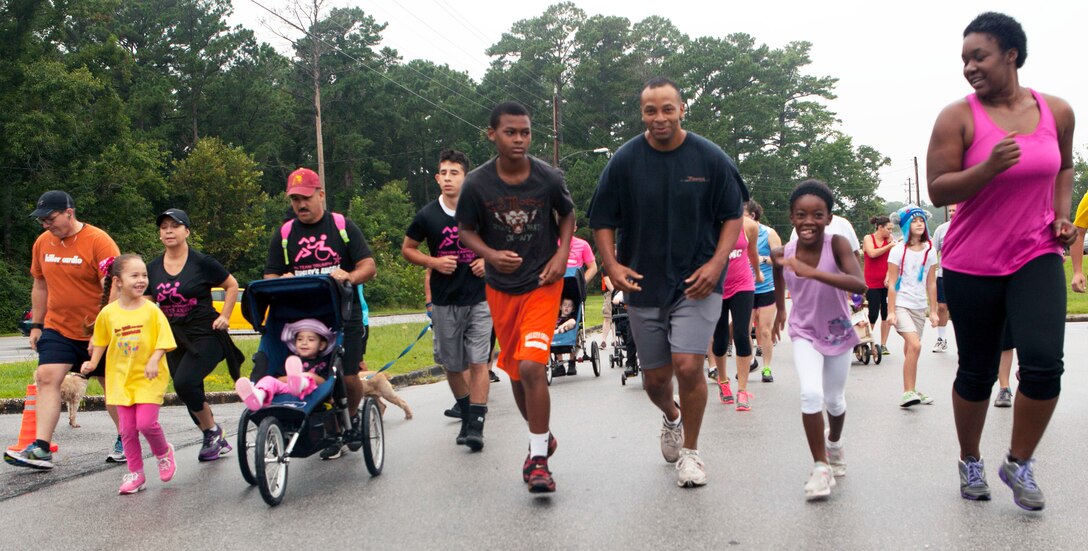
(383, 215)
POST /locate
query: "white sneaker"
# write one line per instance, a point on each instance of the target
(941, 346)
(836, 456)
(690, 469)
(819, 482)
(672, 439)
(923, 399)
(910, 398)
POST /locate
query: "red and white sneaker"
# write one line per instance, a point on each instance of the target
(527, 468)
(540, 478)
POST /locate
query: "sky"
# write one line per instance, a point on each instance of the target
(898, 63)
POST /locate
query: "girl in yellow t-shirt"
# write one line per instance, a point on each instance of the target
(135, 336)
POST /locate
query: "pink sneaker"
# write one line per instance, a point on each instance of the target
(744, 401)
(167, 465)
(251, 396)
(725, 394)
(132, 483)
(295, 382)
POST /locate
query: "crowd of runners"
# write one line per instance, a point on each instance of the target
(678, 234)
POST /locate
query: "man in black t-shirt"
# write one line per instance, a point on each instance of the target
(516, 213)
(315, 245)
(462, 322)
(673, 201)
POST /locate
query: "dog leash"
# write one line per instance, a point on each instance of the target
(405, 351)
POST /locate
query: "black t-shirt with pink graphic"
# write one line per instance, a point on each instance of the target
(317, 248)
(438, 228)
(519, 218)
(186, 298)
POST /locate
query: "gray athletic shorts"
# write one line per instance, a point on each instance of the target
(684, 328)
(462, 335)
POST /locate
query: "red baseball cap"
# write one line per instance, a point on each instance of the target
(303, 182)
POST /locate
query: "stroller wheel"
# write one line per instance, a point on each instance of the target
(271, 461)
(595, 358)
(373, 437)
(877, 354)
(247, 446)
(623, 379)
(868, 353)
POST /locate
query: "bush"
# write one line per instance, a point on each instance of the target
(14, 294)
(383, 215)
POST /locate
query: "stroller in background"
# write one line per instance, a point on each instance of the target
(291, 427)
(573, 342)
(623, 347)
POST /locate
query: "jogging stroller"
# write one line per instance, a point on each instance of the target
(291, 427)
(573, 342)
(623, 348)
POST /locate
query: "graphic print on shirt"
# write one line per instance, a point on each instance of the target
(128, 339)
(451, 246)
(838, 330)
(171, 302)
(322, 258)
(520, 217)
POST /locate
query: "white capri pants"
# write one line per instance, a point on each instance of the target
(822, 378)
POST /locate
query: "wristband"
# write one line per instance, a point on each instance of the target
(38, 326)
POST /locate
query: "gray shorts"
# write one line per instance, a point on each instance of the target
(684, 328)
(462, 335)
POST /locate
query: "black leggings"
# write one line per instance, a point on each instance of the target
(740, 307)
(189, 365)
(878, 304)
(1032, 302)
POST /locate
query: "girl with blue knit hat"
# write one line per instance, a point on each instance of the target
(912, 265)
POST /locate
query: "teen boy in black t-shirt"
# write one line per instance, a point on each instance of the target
(462, 322)
(516, 213)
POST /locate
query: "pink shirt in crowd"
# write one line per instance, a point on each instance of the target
(738, 274)
(580, 253)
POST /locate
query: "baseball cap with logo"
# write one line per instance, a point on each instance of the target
(52, 201)
(303, 182)
(177, 215)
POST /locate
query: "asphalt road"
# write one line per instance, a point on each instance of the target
(614, 489)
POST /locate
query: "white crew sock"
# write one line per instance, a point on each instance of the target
(941, 330)
(538, 444)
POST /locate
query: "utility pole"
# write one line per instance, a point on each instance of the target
(917, 183)
(906, 188)
(555, 129)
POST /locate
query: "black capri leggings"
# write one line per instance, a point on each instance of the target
(739, 306)
(878, 304)
(1032, 302)
(190, 364)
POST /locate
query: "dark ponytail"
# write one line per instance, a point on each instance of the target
(879, 220)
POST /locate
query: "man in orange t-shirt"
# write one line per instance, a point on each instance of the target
(65, 300)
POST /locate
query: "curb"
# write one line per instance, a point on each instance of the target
(98, 403)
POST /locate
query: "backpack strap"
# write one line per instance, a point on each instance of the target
(341, 226)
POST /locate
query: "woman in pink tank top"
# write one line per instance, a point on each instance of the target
(1005, 153)
(738, 300)
(817, 268)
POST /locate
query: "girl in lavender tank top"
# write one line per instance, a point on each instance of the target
(817, 268)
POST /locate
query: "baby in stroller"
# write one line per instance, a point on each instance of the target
(567, 316)
(307, 367)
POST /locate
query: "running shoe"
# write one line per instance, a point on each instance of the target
(571, 369)
(132, 483)
(729, 349)
(941, 346)
(712, 374)
(819, 482)
(973, 480)
(214, 445)
(332, 452)
(251, 396)
(493, 376)
(117, 454)
(744, 401)
(32, 456)
(767, 376)
(759, 351)
(672, 438)
(559, 371)
(690, 471)
(910, 398)
(924, 399)
(1021, 478)
(1004, 398)
(454, 411)
(884, 351)
(836, 457)
(527, 468)
(753, 366)
(167, 465)
(540, 478)
(725, 394)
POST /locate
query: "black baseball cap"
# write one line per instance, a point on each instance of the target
(177, 215)
(52, 201)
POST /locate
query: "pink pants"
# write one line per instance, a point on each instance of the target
(140, 419)
(273, 386)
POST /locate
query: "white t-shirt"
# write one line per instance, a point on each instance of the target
(838, 226)
(938, 242)
(912, 293)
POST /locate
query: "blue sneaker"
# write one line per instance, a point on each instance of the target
(31, 456)
(1021, 478)
(117, 454)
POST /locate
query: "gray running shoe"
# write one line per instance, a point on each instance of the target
(214, 444)
(31, 456)
(690, 469)
(973, 480)
(1021, 478)
(1004, 398)
(117, 454)
(819, 482)
(672, 439)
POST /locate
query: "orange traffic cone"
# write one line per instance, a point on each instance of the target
(28, 431)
